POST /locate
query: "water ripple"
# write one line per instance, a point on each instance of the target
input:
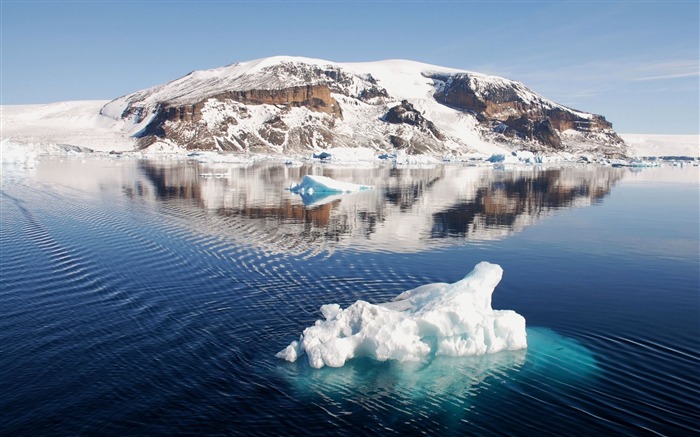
(138, 315)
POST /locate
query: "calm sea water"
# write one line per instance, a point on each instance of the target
(150, 297)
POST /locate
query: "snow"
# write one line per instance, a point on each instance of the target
(432, 320)
(165, 148)
(641, 145)
(311, 184)
(77, 123)
(401, 78)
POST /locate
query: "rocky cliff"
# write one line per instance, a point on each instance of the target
(296, 105)
(510, 109)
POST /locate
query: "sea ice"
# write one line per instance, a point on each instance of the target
(431, 320)
(320, 184)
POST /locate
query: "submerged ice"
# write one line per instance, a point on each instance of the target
(453, 385)
(432, 320)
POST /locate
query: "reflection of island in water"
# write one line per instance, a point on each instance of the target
(408, 210)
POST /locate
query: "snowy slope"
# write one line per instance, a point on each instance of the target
(644, 145)
(50, 126)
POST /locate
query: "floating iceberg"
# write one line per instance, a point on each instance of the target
(320, 184)
(431, 320)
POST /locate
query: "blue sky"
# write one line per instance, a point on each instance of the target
(636, 62)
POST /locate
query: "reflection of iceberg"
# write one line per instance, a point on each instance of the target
(432, 320)
(317, 198)
(320, 190)
(559, 358)
(550, 357)
(311, 184)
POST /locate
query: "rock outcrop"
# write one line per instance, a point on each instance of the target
(426, 132)
(182, 123)
(510, 109)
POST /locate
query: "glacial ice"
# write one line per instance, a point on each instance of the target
(311, 184)
(432, 320)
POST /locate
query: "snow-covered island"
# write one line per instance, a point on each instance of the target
(296, 108)
(431, 320)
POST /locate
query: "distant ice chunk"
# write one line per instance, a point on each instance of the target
(11, 153)
(323, 156)
(501, 158)
(524, 156)
(320, 184)
(431, 320)
(517, 157)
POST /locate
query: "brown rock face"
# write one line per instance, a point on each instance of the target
(516, 112)
(315, 97)
(181, 123)
(405, 113)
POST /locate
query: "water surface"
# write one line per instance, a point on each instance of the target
(149, 297)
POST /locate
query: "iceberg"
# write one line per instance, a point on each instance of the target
(311, 184)
(432, 320)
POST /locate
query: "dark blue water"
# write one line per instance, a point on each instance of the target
(149, 298)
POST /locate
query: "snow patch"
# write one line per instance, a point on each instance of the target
(164, 148)
(55, 126)
(641, 145)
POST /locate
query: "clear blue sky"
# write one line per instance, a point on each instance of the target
(636, 62)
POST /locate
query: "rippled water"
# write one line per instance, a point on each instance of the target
(150, 297)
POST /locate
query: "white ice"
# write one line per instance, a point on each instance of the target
(431, 320)
(321, 184)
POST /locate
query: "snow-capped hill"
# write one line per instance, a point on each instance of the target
(288, 105)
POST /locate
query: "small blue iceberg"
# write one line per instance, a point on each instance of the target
(316, 190)
(320, 184)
